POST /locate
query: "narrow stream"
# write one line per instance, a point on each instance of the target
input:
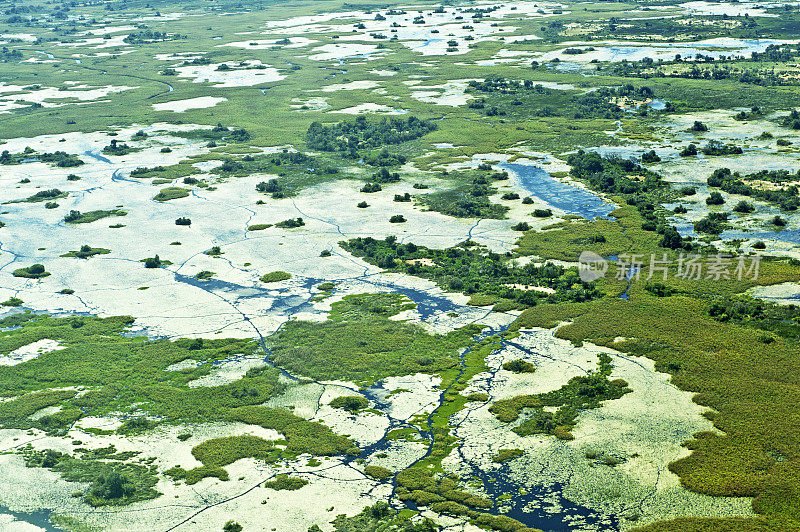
(544, 507)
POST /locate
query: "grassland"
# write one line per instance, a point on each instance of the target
(744, 367)
(745, 382)
(337, 348)
(119, 371)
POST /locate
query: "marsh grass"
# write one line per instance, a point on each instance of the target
(171, 193)
(337, 348)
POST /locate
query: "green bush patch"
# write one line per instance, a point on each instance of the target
(35, 271)
(285, 482)
(360, 343)
(274, 277)
(378, 472)
(77, 217)
(171, 193)
(519, 366)
(86, 252)
(504, 455)
(351, 403)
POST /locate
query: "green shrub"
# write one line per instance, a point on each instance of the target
(195, 475)
(301, 436)
(171, 193)
(351, 403)
(36, 271)
(77, 217)
(86, 252)
(136, 425)
(285, 482)
(715, 198)
(274, 277)
(219, 452)
(232, 526)
(504, 455)
(360, 343)
(478, 396)
(378, 472)
(519, 366)
(291, 223)
(11, 302)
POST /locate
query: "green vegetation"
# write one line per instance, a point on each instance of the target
(478, 396)
(515, 98)
(338, 348)
(580, 393)
(733, 183)
(36, 271)
(359, 134)
(285, 482)
(473, 270)
(419, 485)
(730, 366)
(469, 197)
(740, 360)
(42, 195)
(783, 320)
(112, 482)
(378, 472)
(635, 185)
(118, 148)
(219, 452)
(171, 193)
(86, 252)
(504, 455)
(16, 413)
(77, 217)
(351, 403)
(122, 373)
(301, 436)
(196, 474)
(715, 198)
(519, 366)
(232, 526)
(274, 277)
(291, 223)
(153, 262)
(11, 302)
(379, 517)
(717, 149)
(166, 173)
(136, 425)
(59, 158)
(713, 223)
(258, 227)
(624, 234)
